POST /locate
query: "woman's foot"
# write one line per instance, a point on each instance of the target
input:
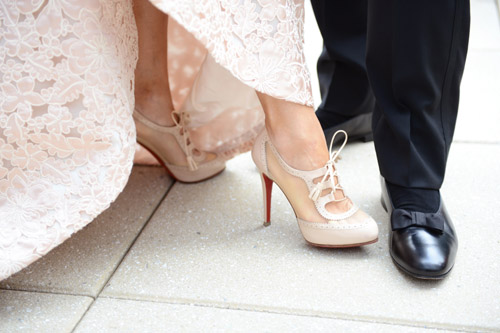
(173, 148)
(296, 133)
(292, 153)
(160, 129)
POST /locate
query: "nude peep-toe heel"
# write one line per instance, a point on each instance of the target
(309, 193)
(173, 148)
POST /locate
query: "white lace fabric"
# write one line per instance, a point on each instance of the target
(259, 41)
(66, 132)
(67, 136)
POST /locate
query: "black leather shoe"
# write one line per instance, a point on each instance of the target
(358, 128)
(423, 245)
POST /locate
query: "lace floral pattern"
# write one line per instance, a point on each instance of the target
(66, 131)
(67, 136)
(259, 41)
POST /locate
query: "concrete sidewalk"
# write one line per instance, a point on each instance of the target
(174, 257)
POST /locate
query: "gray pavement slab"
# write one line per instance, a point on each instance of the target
(479, 110)
(40, 312)
(114, 315)
(485, 25)
(206, 262)
(83, 264)
(206, 245)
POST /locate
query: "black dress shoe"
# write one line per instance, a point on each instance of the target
(423, 245)
(358, 128)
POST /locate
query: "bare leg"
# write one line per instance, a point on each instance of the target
(152, 90)
(296, 133)
(293, 128)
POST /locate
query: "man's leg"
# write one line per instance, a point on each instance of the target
(347, 100)
(416, 52)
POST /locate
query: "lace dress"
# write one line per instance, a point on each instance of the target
(67, 138)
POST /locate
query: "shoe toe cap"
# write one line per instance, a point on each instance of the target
(366, 229)
(423, 253)
(357, 230)
(370, 229)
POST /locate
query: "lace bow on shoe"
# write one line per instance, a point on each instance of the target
(328, 180)
(180, 122)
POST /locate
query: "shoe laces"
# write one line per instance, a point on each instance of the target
(180, 123)
(331, 172)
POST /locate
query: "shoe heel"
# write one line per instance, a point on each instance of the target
(367, 137)
(267, 190)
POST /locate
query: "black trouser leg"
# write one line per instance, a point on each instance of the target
(416, 52)
(345, 90)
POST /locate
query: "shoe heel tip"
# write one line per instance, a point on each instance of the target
(267, 224)
(367, 138)
(383, 204)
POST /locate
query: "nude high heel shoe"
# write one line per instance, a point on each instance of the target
(174, 150)
(309, 193)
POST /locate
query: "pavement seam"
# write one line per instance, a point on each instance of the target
(470, 142)
(302, 313)
(47, 292)
(484, 49)
(153, 212)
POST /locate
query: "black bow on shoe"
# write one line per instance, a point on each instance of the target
(401, 219)
(421, 251)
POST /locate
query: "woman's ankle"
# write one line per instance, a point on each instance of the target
(301, 150)
(154, 104)
(299, 140)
